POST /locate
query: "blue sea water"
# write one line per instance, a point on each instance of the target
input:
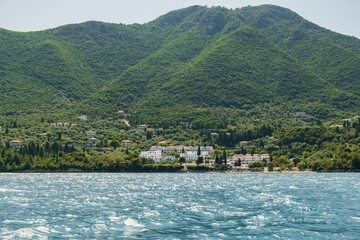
(180, 206)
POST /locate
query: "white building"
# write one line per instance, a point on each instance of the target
(156, 155)
(169, 158)
(205, 150)
(189, 156)
(83, 117)
(247, 159)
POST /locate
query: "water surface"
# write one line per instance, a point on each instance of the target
(180, 206)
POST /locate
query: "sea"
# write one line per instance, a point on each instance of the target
(179, 206)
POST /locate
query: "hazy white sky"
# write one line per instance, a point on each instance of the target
(31, 15)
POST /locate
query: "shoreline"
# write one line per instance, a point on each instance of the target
(232, 172)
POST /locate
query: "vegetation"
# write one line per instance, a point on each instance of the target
(240, 73)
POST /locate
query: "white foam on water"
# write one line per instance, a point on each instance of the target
(114, 219)
(99, 227)
(356, 218)
(156, 223)
(7, 221)
(10, 190)
(25, 233)
(293, 187)
(151, 213)
(132, 223)
(43, 229)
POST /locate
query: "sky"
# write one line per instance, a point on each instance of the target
(340, 16)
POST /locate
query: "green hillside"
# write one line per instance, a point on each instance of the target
(332, 56)
(189, 65)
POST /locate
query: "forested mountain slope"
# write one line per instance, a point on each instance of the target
(188, 63)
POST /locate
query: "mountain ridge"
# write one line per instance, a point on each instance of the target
(194, 59)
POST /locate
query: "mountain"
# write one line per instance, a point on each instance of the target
(189, 65)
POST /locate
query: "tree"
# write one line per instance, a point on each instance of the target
(199, 151)
(182, 160)
(199, 160)
(301, 166)
(1, 165)
(243, 150)
(290, 165)
(217, 159)
(355, 162)
(282, 160)
(256, 165)
(270, 166)
(114, 144)
(224, 157)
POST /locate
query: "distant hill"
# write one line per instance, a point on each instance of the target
(190, 64)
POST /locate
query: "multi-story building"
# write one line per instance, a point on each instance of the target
(247, 159)
(155, 155)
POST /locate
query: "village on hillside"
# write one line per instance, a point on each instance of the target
(224, 148)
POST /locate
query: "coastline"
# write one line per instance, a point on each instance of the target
(214, 172)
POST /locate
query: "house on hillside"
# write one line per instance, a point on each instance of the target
(142, 127)
(91, 133)
(59, 124)
(15, 144)
(53, 124)
(185, 124)
(92, 142)
(244, 143)
(120, 112)
(214, 134)
(67, 125)
(73, 126)
(300, 114)
(271, 139)
(126, 143)
(83, 117)
(105, 150)
(336, 126)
